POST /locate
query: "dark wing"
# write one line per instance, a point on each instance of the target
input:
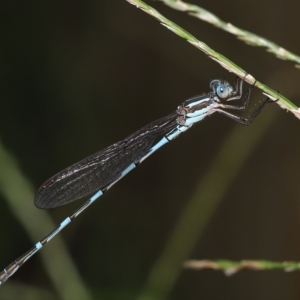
(102, 168)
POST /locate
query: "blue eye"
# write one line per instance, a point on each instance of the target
(223, 91)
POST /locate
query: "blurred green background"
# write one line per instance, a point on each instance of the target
(77, 76)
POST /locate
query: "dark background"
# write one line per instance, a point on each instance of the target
(77, 76)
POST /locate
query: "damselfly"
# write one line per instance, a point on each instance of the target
(100, 171)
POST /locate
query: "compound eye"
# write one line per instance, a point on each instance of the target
(223, 91)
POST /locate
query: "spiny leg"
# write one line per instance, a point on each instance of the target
(250, 119)
(238, 90)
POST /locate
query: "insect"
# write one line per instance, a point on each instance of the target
(100, 171)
